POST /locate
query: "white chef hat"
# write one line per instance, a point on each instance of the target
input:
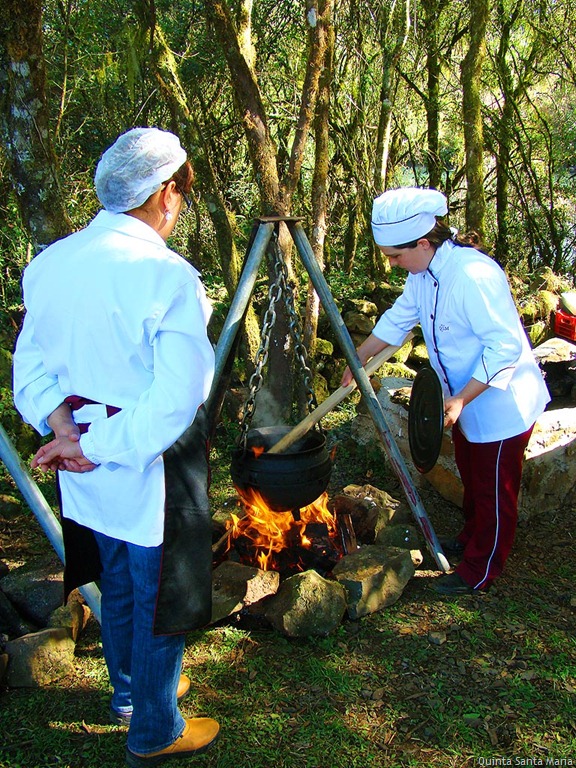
(136, 166)
(402, 215)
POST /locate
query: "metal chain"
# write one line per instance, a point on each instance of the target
(294, 325)
(280, 287)
(256, 380)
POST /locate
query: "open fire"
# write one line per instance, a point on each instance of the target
(287, 542)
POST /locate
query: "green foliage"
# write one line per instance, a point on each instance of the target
(13, 258)
(102, 81)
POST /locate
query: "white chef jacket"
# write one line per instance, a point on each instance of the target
(472, 330)
(114, 316)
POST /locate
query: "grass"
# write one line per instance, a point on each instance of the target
(378, 693)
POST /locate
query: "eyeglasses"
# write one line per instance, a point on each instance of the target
(186, 199)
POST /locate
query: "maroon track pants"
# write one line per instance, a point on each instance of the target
(491, 474)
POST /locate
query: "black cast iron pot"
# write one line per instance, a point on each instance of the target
(287, 481)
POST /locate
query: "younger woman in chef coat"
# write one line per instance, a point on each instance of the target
(493, 388)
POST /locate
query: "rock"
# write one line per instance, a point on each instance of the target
(393, 395)
(73, 616)
(549, 477)
(356, 322)
(394, 511)
(555, 350)
(307, 605)
(324, 347)
(404, 355)
(417, 557)
(547, 280)
(35, 591)
(363, 306)
(10, 506)
(222, 517)
(236, 586)
(538, 332)
(400, 536)
(447, 483)
(396, 369)
(384, 295)
(367, 516)
(374, 577)
(11, 623)
(538, 307)
(396, 417)
(418, 355)
(40, 658)
(26, 440)
(558, 382)
(320, 386)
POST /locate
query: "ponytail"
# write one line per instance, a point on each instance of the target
(441, 232)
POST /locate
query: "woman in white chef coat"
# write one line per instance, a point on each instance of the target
(493, 388)
(114, 357)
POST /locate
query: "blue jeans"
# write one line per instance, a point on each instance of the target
(144, 669)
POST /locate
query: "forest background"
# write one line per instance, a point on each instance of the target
(311, 109)
(294, 108)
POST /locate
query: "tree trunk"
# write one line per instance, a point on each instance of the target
(504, 131)
(250, 107)
(275, 196)
(354, 223)
(502, 245)
(394, 27)
(223, 221)
(432, 102)
(24, 122)
(472, 114)
(320, 180)
(175, 96)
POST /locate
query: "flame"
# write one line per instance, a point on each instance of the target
(270, 532)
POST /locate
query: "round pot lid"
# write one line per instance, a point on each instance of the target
(426, 419)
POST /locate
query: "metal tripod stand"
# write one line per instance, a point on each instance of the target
(232, 326)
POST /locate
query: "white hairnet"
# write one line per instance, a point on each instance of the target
(136, 166)
(402, 215)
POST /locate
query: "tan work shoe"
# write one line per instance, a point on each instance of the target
(183, 687)
(199, 734)
(123, 718)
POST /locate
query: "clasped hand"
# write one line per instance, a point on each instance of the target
(63, 452)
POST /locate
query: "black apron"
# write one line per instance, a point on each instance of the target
(184, 600)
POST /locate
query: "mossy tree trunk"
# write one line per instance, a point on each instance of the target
(24, 123)
(472, 114)
(394, 27)
(320, 180)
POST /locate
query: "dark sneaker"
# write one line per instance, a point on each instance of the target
(452, 547)
(123, 718)
(120, 718)
(452, 584)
